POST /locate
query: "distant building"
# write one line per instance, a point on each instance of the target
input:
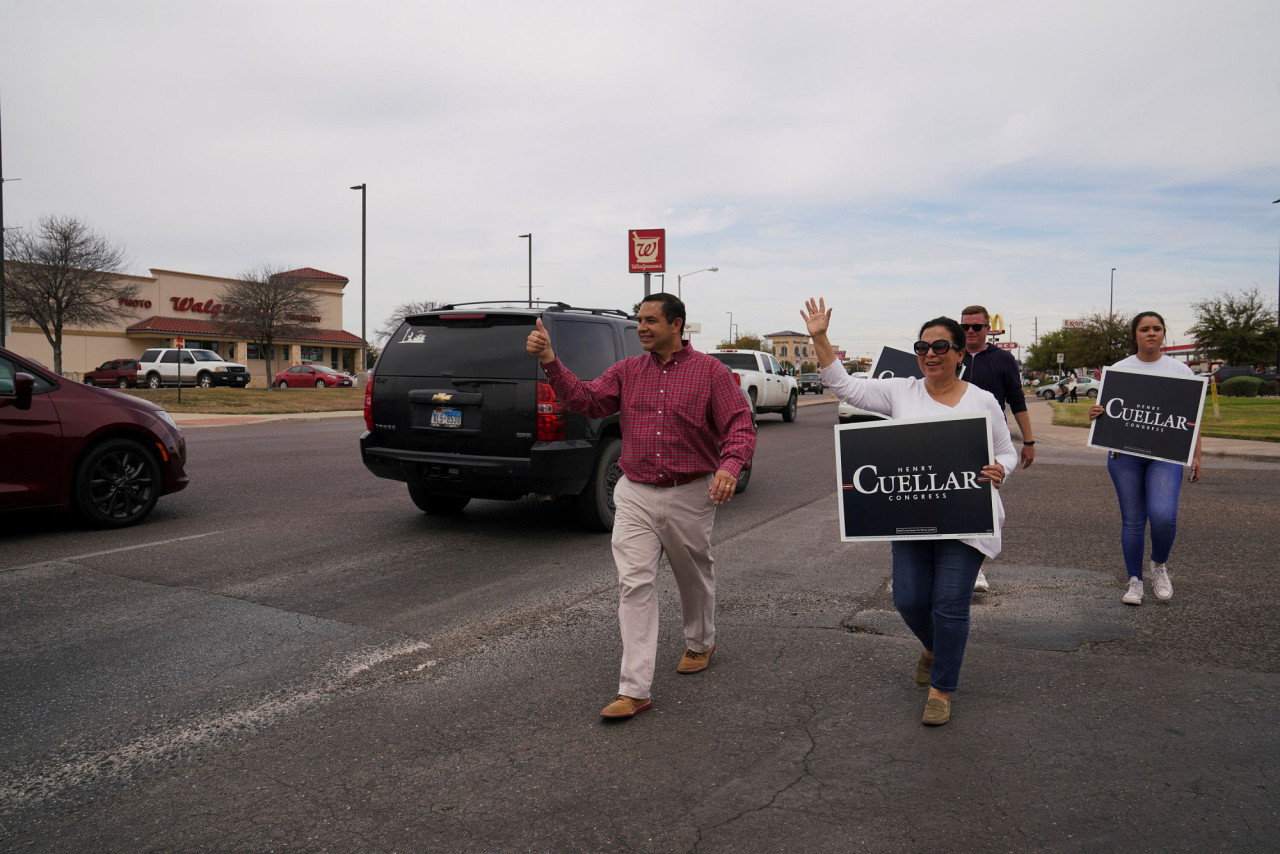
(183, 305)
(793, 348)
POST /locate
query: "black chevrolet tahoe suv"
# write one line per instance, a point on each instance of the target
(458, 409)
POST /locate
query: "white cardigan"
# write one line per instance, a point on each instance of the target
(902, 397)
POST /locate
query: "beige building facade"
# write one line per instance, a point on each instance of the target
(793, 348)
(172, 305)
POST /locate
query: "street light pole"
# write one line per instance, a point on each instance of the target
(1277, 202)
(1111, 306)
(530, 236)
(364, 341)
(730, 313)
(680, 291)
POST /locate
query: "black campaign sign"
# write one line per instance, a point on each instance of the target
(915, 479)
(1156, 416)
(896, 363)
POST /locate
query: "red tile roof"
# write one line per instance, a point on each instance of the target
(212, 329)
(312, 274)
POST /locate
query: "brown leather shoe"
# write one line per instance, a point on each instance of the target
(936, 712)
(694, 662)
(924, 670)
(625, 707)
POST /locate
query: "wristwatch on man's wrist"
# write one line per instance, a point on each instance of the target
(1028, 441)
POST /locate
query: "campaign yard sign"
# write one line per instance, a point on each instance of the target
(896, 363)
(915, 478)
(1150, 415)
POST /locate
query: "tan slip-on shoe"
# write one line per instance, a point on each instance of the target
(924, 670)
(936, 712)
(694, 662)
(625, 707)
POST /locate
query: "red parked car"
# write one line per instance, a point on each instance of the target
(312, 376)
(107, 456)
(121, 373)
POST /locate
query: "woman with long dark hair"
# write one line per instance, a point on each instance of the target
(932, 579)
(1148, 489)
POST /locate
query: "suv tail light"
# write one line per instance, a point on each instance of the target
(552, 420)
(368, 402)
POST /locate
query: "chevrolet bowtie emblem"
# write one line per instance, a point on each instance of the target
(441, 398)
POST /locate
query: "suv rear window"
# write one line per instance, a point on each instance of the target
(476, 345)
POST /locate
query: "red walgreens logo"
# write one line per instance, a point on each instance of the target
(647, 250)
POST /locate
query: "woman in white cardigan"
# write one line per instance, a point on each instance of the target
(932, 579)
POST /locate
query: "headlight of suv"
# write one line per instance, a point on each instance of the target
(221, 369)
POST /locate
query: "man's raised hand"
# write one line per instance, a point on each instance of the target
(539, 344)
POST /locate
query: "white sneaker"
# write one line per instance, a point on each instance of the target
(1133, 596)
(981, 585)
(1160, 581)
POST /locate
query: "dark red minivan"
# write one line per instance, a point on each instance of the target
(104, 454)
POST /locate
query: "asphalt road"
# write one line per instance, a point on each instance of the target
(288, 655)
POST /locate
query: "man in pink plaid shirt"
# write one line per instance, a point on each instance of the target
(686, 437)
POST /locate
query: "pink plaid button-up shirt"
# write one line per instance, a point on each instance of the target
(684, 417)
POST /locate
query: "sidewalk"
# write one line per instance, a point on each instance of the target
(190, 420)
(1078, 437)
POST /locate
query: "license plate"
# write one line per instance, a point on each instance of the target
(446, 418)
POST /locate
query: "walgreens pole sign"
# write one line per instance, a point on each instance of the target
(647, 250)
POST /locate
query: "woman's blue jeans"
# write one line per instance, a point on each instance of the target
(1148, 491)
(932, 590)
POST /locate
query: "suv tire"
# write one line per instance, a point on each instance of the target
(789, 414)
(116, 484)
(153, 381)
(743, 480)
(122, 383)
(594, 507)
(204, 380)
(436, 504)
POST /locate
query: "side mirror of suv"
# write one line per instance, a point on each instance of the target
(23, 386)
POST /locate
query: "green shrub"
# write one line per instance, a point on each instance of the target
(1240, 387)
(1268, 389)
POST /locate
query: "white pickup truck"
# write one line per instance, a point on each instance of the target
(761, 377)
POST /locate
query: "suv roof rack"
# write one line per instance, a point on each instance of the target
(553, 305)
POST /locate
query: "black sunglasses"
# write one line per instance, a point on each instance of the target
(973, 327)
(939, 347)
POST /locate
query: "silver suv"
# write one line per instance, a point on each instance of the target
(162, 366)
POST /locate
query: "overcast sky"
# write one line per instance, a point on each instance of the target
(901, 159)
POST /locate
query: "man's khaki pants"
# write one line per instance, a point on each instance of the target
(649, 521)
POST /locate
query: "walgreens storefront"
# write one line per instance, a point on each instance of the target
(173, 305)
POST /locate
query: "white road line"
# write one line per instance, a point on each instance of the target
(109, 551)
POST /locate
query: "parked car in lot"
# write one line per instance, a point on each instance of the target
(312, 376)
(811, 383)
(847, 413)
(1085, 387)
(162, 366)
(457, 409)
(121, 373)
(1226, 372)
(106, 456)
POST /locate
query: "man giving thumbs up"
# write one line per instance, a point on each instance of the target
(686, 437)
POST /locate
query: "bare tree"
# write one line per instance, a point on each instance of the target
(264, 305)
(392, 323)
(61, 273)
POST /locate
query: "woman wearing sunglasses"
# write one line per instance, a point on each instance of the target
(932, 579)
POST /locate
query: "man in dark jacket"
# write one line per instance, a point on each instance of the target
(994, 370)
